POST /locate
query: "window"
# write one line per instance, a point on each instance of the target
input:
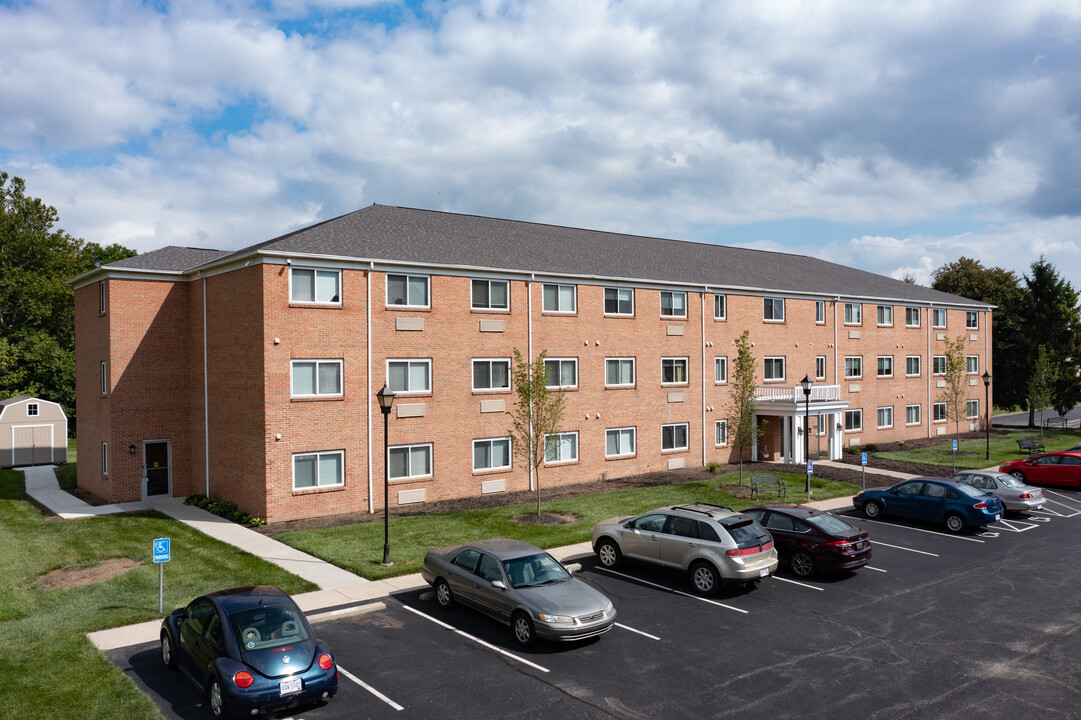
(313, 378)
(561, 447)
(912, 414)
(619, 442)
(409, 376)
(938, 365)
(314, 470)
(820, 367)
(105, 458)
(912, 365)
(820, 312)
(32, 410)
(560, 298)
(938, 317)
(773, 309)
(673, 371)
(674, 437)
(885, 417)
(315, 286)
(673, 304)
(885, 366)
(912, 317)
(853, 419)
(720, 307)
(773, 368)
(562, 372)
(853, 366)
(491, 454)
(101, 296)
(491, 374)
(853, 314)
(885, 314)
(618, 301)
(618, 372)
(939, 409)
(720, 370)
(721, 432)
(972, 320)
(104, 379)
(972, 364)
(408, 290)
(972, 409)
(410, 461)
(490, 295)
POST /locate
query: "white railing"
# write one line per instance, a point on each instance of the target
(794, 394)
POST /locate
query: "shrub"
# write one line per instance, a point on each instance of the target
(871, 447)
(713, 467)
(223, 508)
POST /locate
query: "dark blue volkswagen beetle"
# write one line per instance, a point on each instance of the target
(251, 650)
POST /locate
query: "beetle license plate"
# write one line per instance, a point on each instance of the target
(292, 685)
(764, 572)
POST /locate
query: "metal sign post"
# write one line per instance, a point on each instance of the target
(863, 469)
(161, 552)
(954, 457)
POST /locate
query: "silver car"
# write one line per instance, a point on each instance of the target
(715, 545)
(520, 585)
(1014, 494)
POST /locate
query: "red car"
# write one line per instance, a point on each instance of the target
(1055, 468)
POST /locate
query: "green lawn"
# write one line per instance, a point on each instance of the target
(971, 454)
(359, 548)
(66, 474)
(51, 670)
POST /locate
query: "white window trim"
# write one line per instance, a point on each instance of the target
(315, 273)
(724, 315)
(823, 359)
(856, 413)
(716, 426)
(577, 448)
(882, 357)
(562, 360)
(686, 371)
(102, 304)
(934, 316)
(858, 376)
(489, 308)
(104, 378)
(719, 362)
(944, 363)
(977, 414)
(318, 362)
(974, 315)
(858, 308)
(673, 314)
(604, 301)
(634, 372)
(784, 369)
(496, 468)
(918, 314)
(884, 324)
(410, 361)
(406, 304)
(572, 311)
(105, 458)
(773, 302)
(878, 416)
(977, 359)
(317, 455)
(634, 435)
(33, 410)
(820, 304)
(945, 415)
(409, 478)
(473, 376)
(919, 412)
(687, 435)
(919, 365)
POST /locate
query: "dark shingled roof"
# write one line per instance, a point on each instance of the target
(171, 258)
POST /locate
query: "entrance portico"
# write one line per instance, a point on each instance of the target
(787, 404)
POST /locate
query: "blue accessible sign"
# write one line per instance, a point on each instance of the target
(810, 468)
(863, 458)
(161, 550)
(955, 446)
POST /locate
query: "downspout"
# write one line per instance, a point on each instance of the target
(834, 432)
(368, 373)
(529, 343)
(703, 404)
(930, 371)
(206, 398)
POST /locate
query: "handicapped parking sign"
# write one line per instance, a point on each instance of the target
(161, 550)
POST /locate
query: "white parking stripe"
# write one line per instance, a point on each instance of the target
(651, 637)
(477, 640)
(868, 567)
(369, 688)
(1014, 526)
(677, 592)
(778, 577)
(929, 532)
(899, 547)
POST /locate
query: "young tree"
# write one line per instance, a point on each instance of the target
(1042, 382)
(740, 407)
(537, 415)
(955, 392)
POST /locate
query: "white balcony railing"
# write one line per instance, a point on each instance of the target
(794, 394)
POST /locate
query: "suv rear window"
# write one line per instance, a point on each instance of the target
(745, 531)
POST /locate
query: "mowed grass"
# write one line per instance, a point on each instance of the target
(971, 454)
(359, 548)
(66, 474)
(50, 668)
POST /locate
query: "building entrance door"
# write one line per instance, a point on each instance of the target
(156, 456)
(815, 448)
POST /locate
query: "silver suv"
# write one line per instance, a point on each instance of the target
(714, 544)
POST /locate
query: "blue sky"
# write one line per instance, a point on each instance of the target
(891, 136)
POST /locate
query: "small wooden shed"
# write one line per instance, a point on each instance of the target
(32, 432)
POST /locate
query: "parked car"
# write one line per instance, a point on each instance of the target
(1015, 495)
(1054, 468)
(811, 541)
(714, 544)
(954, 504)
(519, 585)
(251, 650)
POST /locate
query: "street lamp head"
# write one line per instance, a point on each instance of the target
(806, 383)
(386, 398)
(986, 378)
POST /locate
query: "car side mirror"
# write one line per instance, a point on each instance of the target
(629, 525)
(499, 584)
(569, 569)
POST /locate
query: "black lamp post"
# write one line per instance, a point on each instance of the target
(987, 411)
(806, 383)
(386, 399)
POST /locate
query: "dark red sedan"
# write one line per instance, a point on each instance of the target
(810, 540)
(1054, 468)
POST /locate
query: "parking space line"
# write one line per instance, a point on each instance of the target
(677, 592)
(1059, 502)
(369, 688)
(868, 567)
(1015, 526)
(794, 582)
(651, 637)
(477, 640)
(900, 547)
(929, 532)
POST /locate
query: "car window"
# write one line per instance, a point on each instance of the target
(534, 570)
(467, 559)
(1009, 481)
(198, 614)
(489, 568)
(1048, 460)
(829, 523)
(649, 523)
(706, 532)
(756, 513)
(970, 491)
(1070, 460)
(745, 531)
(684, 527)
(264, 628)
(214, 632)
(909, 488)
(976, 481)
(934, 490)
(777, 521)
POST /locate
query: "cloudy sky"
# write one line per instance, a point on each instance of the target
(893, 137)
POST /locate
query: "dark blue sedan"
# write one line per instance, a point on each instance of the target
(251, 650)
(954, 504)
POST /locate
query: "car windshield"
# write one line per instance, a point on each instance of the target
(969, 490)
(829, 523)
(532, 570)
(268, 627)
(1009, 481)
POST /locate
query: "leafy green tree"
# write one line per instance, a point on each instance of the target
(1053, 319)
(537, 415)
(955, 391)
(1041, 384)
(740, 408)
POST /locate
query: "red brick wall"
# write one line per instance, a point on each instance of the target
(93, 414)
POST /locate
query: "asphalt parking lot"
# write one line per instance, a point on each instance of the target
(981, 625)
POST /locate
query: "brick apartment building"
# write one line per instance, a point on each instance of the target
(251, 375)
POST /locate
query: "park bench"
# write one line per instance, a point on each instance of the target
(1056, 422)
(765, 481)
(1030, 446)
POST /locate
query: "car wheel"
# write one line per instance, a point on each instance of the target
(524, 634)
(608, 553)
(214, 698)
(872, 509)
(443, 595)
(802, 563)
(167, 656)
(704, 578)
(1019, 475)
(955, 523)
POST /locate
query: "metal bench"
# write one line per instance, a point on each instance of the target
(1030, 446)
(1056, 422)
(765, 481)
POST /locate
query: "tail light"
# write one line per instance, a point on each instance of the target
(1025, 496)
(980, 506)
(839, 543)
(325, 661)
(753, 550)
(243, 679)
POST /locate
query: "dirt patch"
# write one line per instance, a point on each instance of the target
(743, 493)
(77, 577)
(547, 519)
